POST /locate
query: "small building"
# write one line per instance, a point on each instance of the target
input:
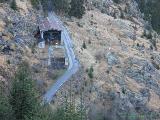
(56, 60)
(41, 43)
(59, 59)
(52, 53)
(50, 32)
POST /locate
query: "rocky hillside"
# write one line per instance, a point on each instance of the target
(125, 58)
(118, 51)
(17, 43)
(16, 35)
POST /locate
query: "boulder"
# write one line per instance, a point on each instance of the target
(112, 58)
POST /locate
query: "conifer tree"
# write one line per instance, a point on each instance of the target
(70, 111)
(23, 96)
(44, 113)
(81, 108)
(84, 45)
(90, 72)
(77, 8)
(35, 3)
(61, 6)
(5, 108)
(151, 8)
(1, 1)
(13, 5)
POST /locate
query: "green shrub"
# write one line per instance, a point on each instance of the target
(8, 62)
(13, 5)
(154, 43)
(155, 65)
(117, 1)
(148, 36)
(90, 72)
(84, 45)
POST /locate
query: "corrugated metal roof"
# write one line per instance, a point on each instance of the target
(47, 24)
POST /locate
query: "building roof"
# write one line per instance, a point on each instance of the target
(58, 53)
(47, 24)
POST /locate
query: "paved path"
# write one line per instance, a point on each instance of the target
(73, 63)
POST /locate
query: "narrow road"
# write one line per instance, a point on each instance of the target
(73, 63)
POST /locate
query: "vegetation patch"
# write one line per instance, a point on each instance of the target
(90, 72)
(151, 9)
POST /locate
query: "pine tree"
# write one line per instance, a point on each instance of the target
(23, 96)
(5, 108)
(81, 107)
(61, 6)
(151, 8)
(84, 45)
(90, 72)
(1, 1)
(44, 113)
(77, 8)
(70, 111)
(35, 3)
(13, 5)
